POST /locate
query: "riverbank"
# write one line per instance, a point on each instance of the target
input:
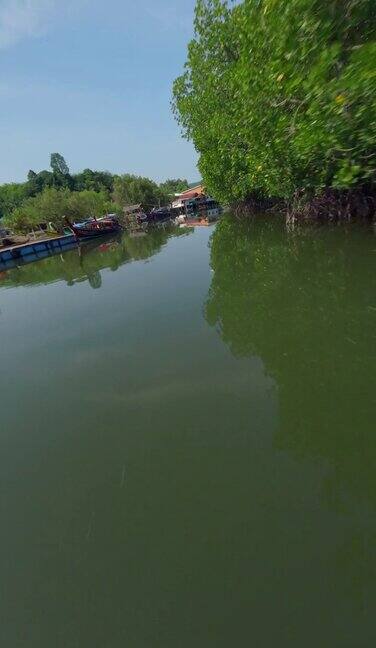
(331, 205)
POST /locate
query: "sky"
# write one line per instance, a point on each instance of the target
(92, 79)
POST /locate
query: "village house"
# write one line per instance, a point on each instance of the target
(194, 202)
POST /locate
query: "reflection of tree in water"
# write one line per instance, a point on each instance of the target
(95, 279)
(86, 262)
(305, 303)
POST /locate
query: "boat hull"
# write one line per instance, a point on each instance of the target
(17, 255)
(95, 229)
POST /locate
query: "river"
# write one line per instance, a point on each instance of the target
(188, 441)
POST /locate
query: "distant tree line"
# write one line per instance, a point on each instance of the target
(51, 195)
(278, 97)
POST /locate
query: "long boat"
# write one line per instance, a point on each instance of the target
(95, 227)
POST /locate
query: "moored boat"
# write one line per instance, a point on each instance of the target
(16, 255)
(95, 227)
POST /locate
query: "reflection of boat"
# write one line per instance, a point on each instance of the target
(95, 227)
(78, 260)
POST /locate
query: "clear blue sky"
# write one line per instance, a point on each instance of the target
(92, 80)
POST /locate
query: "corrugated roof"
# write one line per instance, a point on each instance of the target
(188, 195)
(195, 191)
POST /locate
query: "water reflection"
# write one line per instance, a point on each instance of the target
(86, 262)
(158, 490)
(306, 303)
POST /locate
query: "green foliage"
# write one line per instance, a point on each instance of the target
(54, 205)
(48, 206)
(82, 204)
(11, 196)
(37, 182)
(86, 180)
(278, 96)
(132, 190)
(58, 164)
(171, 187)
(93, 181)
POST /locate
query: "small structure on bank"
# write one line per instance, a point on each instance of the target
(195, 204)
(136, 216)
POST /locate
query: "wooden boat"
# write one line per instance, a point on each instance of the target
(95, 227)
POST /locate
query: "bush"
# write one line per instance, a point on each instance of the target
(278, 96)
(54, 205)
(132, 190)
(11, 196)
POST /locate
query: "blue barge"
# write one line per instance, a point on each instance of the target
(16, 255)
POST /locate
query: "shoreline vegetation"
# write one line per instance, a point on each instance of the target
(279, 101)
(52, 196)
(330, 205)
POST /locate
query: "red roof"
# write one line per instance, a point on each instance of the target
(192, 192)
(187, 195)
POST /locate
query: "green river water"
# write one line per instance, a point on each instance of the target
(188, 441)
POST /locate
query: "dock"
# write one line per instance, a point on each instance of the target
(14, 255)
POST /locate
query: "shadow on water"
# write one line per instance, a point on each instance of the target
(86, 262)
(305, 302)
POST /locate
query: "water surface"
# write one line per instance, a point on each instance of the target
(188, 441)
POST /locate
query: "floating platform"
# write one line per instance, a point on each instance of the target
(15, 255)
